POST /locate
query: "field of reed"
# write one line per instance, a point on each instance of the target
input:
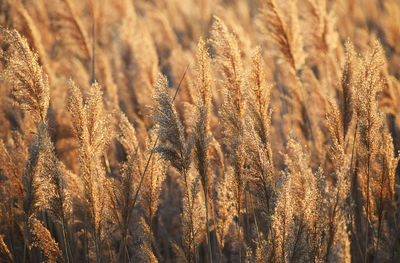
(199, 131)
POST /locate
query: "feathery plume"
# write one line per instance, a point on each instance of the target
(152, 184)
(176, 150)
(42, 238)
(30, 87)
(143, 250)
(33, 188)
(91, 126)
(286, 34)
(347, 83)
(10, 170)
(261, 172)
(202, 128)
(233, 109)
(369, 82)
(338, 196)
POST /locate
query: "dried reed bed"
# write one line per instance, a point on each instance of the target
(199, 131)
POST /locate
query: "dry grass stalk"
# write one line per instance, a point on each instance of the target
(288, 37)
(178, 149)
(224, 209)
(347, 83)
(55, 191)
(91, 126)
(370, 122)
(29, 82)
(35, 35)
(202, 128)
(233, 110)
(261, 174)
(285, 34)
(152, 186)
(76, 28)
(338, 239)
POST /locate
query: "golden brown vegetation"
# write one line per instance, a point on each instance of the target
(199, 131)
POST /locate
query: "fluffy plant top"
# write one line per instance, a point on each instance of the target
(285, 31)
(93, 131)
(260, 95)
(204, 77)
(170, 129)
(30, 86)
(231, 68)
(90, 121)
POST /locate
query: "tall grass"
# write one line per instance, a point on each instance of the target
(199, 131)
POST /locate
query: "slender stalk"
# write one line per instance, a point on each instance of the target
(190, 212)
(26, 241)
(66, 229)
(10, 230)
(207, 227)
(186, 184)
(246, 215)
(65, 243)
(127, 254)
(380, 216)
(354, 144)
(218, 243)
(366, 217)
(24, 256)
(273, 241)
(351, 172)
(238, 229)
(98, 249)
(255, 219)
(378, 235)
(85, 246)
